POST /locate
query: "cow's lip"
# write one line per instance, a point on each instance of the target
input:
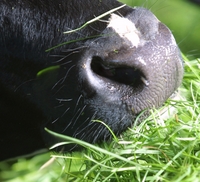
(120, 74)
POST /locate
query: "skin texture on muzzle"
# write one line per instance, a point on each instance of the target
(111, 70)
(145, 55)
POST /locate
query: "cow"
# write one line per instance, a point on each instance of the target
(66, 63)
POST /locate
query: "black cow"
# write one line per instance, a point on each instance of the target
(120, 64)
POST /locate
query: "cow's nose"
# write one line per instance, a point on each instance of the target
(120, 74)
(139, 65)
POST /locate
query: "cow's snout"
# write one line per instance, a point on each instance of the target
(134, 66)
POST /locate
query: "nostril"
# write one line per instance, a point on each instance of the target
(121, 74)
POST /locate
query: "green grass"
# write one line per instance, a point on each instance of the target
(168, 150)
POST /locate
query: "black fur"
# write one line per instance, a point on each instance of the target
(27, 29)
(62, 99)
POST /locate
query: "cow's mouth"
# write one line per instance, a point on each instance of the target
(130, 76)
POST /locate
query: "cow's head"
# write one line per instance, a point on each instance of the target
(133, 66)
(111, 70)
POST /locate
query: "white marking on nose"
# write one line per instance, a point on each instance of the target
(125, 28)
(142, 61)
